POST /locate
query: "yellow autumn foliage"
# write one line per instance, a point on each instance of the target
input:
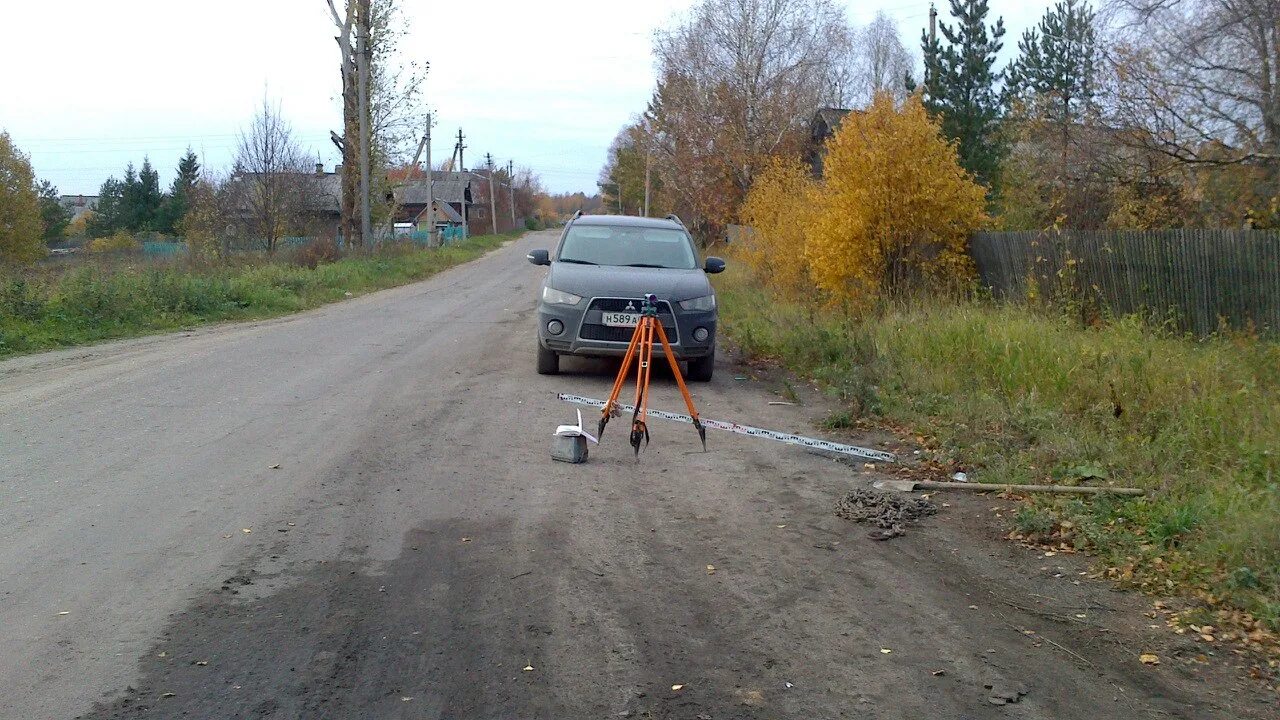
(121, 241)
(776, 212)
(895, 209)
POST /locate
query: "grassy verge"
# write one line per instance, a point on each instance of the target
(1028, 398)
(44, 310)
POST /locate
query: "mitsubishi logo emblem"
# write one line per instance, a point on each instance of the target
(631, 306)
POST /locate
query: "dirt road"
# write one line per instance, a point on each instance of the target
(351, 513)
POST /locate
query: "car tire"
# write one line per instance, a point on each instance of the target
(701, 369)
(548, 361)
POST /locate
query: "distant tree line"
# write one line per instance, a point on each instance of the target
(1138, 114)
(136, 204)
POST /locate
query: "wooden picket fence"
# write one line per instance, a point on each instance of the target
(1199, 280)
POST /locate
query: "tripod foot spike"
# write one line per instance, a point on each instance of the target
(702, 434)
(639, 431)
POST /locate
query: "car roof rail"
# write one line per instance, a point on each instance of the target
(577, 214)
(676, 218)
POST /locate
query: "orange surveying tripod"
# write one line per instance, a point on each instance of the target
(642, 341)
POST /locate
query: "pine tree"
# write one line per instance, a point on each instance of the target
(54, 216)
(109, 216)
(178, 200)
(1056, 67)
(960, 86)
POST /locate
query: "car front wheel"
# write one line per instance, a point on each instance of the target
(701, 369)
(548, 361)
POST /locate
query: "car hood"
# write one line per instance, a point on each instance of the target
(610, 281)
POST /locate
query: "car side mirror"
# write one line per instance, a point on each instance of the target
(539, 257)
(714, 265)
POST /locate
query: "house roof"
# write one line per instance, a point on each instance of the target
(831, 116)
(446, 212)
(449, 187)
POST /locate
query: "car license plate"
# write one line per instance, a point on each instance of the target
(621, 319)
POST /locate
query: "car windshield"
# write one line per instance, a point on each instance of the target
(628, 246)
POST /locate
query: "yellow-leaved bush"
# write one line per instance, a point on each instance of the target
(776, 213)
(896, 210)
(893, 211)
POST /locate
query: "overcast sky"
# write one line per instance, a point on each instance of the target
(92, 85)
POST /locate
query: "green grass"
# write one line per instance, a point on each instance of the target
(41, 310)
(1028, 397)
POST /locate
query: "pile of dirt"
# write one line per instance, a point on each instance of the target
(890, 512)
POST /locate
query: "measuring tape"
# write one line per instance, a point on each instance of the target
(788, 438)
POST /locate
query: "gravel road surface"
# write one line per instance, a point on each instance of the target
(352, 513)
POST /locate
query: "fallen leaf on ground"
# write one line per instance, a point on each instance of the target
(781, 526)
(711, 569)
(246, 531)
(466, 539)
(65, 612)
(276, 466)
(528, 668)
(939, 673)
(202, 663)
(226, 537)
(677, 688)
(1149, 659)
(886, 651)
(405, 699)
(167, 695)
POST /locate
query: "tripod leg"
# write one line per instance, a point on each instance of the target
(688, 399)
(609, 404)
(639, 430)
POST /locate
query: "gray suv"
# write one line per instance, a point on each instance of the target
(601, 269)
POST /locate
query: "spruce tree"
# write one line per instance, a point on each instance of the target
(960, 86)
(177, 200)
(148, 198)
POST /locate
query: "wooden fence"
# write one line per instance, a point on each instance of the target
(1199, 279)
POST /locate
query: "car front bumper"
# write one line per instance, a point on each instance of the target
(585, 334)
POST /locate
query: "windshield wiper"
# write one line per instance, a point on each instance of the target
(575, 261)
(646, 265)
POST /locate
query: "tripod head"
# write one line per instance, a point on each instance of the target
(649, 305)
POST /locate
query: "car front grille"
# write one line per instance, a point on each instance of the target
(593, 327)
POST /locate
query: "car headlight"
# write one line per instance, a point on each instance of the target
(559, 297)
(707, 302)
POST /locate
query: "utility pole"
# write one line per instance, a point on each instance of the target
(933, 23)
(647, 163)
(462, 167)
(431, 191)
(511, 185)
(493, 199)
(362, 60)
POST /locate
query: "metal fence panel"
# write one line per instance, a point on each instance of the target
(1199, 279)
